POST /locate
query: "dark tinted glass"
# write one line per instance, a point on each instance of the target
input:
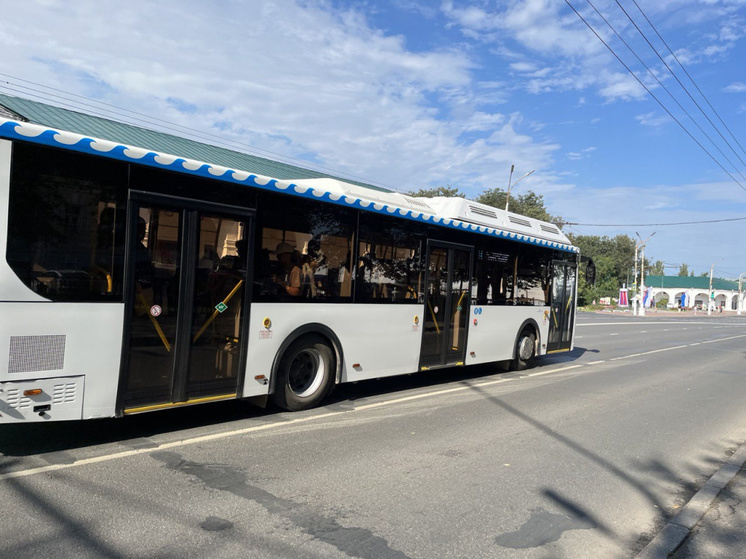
(66, 223)
(388, 268)
(304, 251)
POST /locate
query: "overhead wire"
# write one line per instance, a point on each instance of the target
(657, 79)
(724, 220)
(690, 77)
(679, 82)
(634, 75)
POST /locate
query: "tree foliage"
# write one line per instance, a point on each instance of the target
(529, 204)
(447, 191)
(614, 258)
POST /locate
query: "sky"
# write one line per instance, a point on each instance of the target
(411, 94)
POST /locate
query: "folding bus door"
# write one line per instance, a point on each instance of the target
(187, 305)
(447, 298)
(562, 310)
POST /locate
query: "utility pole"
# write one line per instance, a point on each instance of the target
(739, 307)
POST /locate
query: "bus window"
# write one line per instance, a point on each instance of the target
(388, 267)
(533, 279)
(494, 272)
(66, 223)
(305, 251)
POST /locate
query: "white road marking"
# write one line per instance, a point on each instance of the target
(306, 419)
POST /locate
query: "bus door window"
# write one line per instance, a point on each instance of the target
(153, 324)
(220, 284)
(460, 287)
(437, 291)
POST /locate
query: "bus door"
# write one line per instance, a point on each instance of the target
(562, 310)
(447, 297)
(187, 283)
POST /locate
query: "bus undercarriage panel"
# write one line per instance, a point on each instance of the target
(48, 399)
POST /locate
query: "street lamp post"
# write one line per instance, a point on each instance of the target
(639, 307)
(512, 168)
(740, 293)
(710, 297)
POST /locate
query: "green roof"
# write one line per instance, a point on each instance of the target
(128, 134)
(690, 282)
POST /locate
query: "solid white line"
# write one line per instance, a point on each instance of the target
(306, 419)
(555, 371)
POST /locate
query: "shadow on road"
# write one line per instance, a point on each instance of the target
(41, 438)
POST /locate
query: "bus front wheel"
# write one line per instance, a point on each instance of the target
(305, 375)
(525, 351)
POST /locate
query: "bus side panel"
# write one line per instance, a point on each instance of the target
(494, 335)
(384, 340)
(79, 342)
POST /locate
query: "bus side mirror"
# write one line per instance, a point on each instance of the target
(590, 273)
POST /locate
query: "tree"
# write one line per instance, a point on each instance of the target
(658, 268)
(614, 259)
(683, 270)
(529, 204)
(447, 191)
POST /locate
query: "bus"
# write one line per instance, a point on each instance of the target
(142, 271)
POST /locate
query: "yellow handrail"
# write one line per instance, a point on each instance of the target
(155, 323)
(216, 312)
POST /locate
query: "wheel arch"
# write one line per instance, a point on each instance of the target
(310, 328)
(530, 323)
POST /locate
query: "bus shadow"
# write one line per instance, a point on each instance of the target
(52, 439)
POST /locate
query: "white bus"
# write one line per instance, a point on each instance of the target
(134, 280)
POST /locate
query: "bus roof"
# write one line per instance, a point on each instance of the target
(23, 119)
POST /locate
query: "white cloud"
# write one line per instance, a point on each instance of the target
(653, 119)
(736, 87)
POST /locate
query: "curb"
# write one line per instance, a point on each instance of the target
(679, 527)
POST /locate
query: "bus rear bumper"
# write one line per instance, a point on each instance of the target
(48, 399)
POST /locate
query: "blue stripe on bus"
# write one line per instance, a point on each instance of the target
(85, 145)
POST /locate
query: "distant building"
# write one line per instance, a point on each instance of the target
(695, 291)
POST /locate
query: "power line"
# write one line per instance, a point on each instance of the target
(664, 86)
(690, 78)
(679, 81)
(654, 224)
(653, 95)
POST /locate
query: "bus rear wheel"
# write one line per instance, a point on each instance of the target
(305, 375)
(525, 351)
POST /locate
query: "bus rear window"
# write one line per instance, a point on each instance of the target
(66, 223)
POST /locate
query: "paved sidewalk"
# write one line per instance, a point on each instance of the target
(722, 531)
(713, 523)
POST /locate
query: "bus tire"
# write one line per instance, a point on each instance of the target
(525, 351)
(305, 374)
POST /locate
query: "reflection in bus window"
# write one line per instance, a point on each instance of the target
(304, 252)
(388, 267)
(66, 224)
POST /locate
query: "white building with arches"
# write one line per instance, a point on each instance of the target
(695, 292)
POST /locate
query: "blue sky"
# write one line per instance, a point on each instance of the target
(411, 94)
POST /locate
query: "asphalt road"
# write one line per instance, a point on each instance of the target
(588, 455)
